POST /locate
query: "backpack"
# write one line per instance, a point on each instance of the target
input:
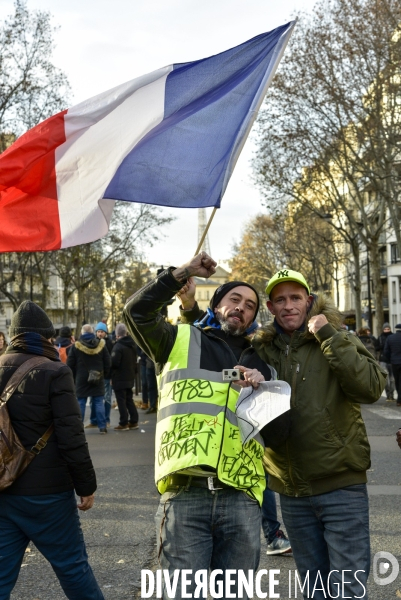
(14, 459)
(62, 352)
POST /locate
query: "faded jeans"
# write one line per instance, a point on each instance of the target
(51, 521)
(199, 529)
(98, 404)
(270, 525)
(107, 403)
(390, 385)
(330, 532)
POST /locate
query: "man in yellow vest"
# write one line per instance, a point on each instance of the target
(211, 484)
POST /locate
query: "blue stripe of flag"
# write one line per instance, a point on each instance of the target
(184, 161)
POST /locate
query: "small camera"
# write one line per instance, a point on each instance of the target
(231, 374)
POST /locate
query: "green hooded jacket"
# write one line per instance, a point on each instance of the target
(331, 373)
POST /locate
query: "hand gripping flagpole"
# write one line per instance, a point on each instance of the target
(204, 234)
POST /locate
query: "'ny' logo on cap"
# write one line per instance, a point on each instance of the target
(283, 273)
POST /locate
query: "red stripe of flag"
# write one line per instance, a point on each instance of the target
(29, 217)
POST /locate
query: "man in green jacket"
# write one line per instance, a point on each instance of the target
(320, 471)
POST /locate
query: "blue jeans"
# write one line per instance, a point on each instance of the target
(51, 521)
(198, 529)
(98, 404)
(330, 532)
(107, 403)
(270, 525)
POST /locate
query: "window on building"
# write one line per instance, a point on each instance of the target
(394, 292)
(207, 295)
(395, 255)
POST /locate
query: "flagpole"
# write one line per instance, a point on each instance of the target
(205, 232)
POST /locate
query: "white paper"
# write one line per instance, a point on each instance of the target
(256, 408)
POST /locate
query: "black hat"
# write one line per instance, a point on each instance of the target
(398, 327)
(225, 288)
(29, 317)
(65, 331)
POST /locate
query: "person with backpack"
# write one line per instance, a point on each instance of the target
(64, 342)
(90, 363)
(40, 505)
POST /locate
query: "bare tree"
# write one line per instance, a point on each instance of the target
(329, 133)
(31, 87)
(270, 243)
(133, 229)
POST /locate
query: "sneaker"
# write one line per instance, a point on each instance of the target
(280, 545)
(90, 426)
(121, 428)
(102, 430)
(150, 410)
(133, 426)
(144, 406)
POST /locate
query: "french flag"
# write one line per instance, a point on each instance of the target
(169, 138)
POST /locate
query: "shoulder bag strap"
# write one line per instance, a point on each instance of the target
(12, 385)
(19, 375)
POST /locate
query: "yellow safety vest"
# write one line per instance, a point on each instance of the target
(197, 424)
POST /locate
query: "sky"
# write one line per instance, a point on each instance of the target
(103, 43)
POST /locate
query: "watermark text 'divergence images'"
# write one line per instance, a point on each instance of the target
(241, 584)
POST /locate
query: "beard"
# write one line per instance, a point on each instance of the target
(231, 328)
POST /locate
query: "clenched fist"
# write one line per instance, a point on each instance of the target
(201, 265)
(316, 323)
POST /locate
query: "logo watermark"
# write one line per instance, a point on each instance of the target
(382, 562)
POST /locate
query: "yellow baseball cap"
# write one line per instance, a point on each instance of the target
(286, 275)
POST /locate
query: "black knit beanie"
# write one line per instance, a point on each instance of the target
(29, 317)
(65, 331)
(225, 288)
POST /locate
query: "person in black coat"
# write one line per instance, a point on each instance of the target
(123, 371)
(40, 505)
(380, 344)
(392, 355)
(89, 361)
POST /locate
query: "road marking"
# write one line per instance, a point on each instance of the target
(386, 413)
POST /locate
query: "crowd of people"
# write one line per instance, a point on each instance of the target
(103, 364)
(215, 491)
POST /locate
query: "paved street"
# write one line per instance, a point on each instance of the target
(119, 530)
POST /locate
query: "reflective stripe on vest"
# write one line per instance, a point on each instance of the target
(197, 424)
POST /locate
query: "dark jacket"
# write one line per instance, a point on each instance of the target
(331, 374)
(86, 355)
(109, 343)
(392, 349)
(123, 363)
(47, 396)
(370, 343)
(380, 344)
(63, 342)
(156, 337)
